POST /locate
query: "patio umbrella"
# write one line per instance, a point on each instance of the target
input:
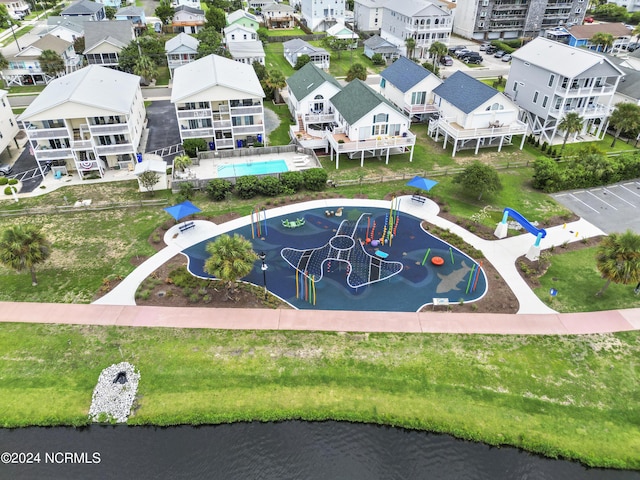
(182, 210)
(422, 183)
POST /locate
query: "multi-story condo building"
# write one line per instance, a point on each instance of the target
(320, 15)
(493, 19)
(548, 79)
(367, 15)
(424, 21)
(8, 126)
(220, 101)
(87, 121)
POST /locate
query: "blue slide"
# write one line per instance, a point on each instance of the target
(508, 212)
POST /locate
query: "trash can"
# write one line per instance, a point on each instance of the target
(239, 143)
(212, 146)
(259, 138)
(139, 157)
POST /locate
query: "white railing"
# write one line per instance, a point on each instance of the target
(82, 144)
(222, 123)
(112, 128)
(375, 143)
(53, 154)
(116, 149)
(36, 133)
(586, 91)
(318, 118)
(515, 128)
(199, 113)
(248, 128)
(224, 142)
(196, 132)
(246, 110)
(415, 109)
(589, 111)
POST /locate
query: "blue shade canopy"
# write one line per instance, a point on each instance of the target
(422, 183)
(182, 210)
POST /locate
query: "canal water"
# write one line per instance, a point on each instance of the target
(287, 450)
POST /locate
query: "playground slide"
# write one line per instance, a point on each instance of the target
(523, 221)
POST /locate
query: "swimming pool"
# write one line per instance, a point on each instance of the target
(253, 168)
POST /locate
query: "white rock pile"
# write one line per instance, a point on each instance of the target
(112, 400)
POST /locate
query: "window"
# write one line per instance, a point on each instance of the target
(552, 78)
(483, 14)
(418, 98)
(233, 36)
(485, 3)
(379, 129)
(544, 101)
(535, 97)
(578, 10)
(380, 118)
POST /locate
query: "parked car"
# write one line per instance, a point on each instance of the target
(484, 46)
(446, 60)
(5, 170)
(460, 53)
(452, 50)
(472, 57)
(588, 20)
(499, 54)
(506, 58)
(632, 47)
(491, 49)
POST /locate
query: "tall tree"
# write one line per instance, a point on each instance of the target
(478, 178)
(437, 50)
(410, 43)
(4, 63)
(336, 44)
(146, 68)
(636, 32)
(216, 18)
(210, 43)
(601, 39)
(5, 18)
(625, 118)
(165, 12)
(357, 70)
(275, 80)
(24, 247)
(51, 63)
(181, 162)
(110, 12)
(618, 259)
(570, 123)
(232, 257)
(301, 61)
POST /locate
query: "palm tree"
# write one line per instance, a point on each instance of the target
(636, 32)
(437, 50)
(410, 43)
(357, 70)
(604, 39)
(146, 68)
(570, 123)
(275, 80)
(618, 259)
(181, 162)
(625, 118)
(231, 259)
(51, 63)
(24, 247)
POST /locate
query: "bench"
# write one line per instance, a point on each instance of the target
(418, 198)
(186, 226)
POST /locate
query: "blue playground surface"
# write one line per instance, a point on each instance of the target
(386, 278)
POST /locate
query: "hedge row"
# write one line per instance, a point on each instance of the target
(314, 179)
(586, 170)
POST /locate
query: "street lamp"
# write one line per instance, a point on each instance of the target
(262, 256)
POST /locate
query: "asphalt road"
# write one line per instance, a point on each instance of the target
(162, 125)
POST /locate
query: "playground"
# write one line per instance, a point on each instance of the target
(354, 258)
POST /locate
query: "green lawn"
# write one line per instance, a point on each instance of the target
(549, 394)
(576, 278)
(274, 58)
(17, 33)
(25, 90)
(163, 77)
(603, 145)
(490, 82)
(280, 136)
(297, 31)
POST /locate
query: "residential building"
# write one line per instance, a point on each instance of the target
(632, 6)
(367, 15)
(320, 15)
(258, 4)
(24, 67)
(8, 127)
(377, 44)
(88, 121)
(473, 115)
(581, 35)
(243, 18)
(494, 19)
(367, 125)
(134, 14)
(112, 3)
(181, 49)
(243, 44)
(188, 20)
(629, 87)
(239, 33)
(278, 15)
(548, 79)
(424, 21)
(409, 87)
(220, 101)
(341, 32)
(86, 10)
(296, 47)
(103, 41)
(17, 8)
(68, 29)
(186, 3)
(308, 95)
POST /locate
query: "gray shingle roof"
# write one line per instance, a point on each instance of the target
(299, 45)
(82, 7)
(119, 30)
(356, 100)
(377, 41)
(464, 92)
(404, 74)
(307, 79)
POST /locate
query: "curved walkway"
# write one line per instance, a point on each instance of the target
(118, 308)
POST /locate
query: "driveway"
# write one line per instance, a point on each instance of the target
(162, 125)
(614, 208)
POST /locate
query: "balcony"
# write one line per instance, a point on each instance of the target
(82, 144)
(606, 89)
(456, 131)
(407, 140)
(420, 109)
(246, 110)
(568, 5)
(109, 129)
(259, 128)
(45, 153)
(319, 118)
(196, 132)
(198, 113)
(117, 149)
(222, 124)
(515, 5)
(44, 133)
(224, 142)
(590, 111)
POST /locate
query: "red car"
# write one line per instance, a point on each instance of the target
(588, 20)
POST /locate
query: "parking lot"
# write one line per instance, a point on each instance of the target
(614, 208)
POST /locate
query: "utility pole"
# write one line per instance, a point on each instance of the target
(14, 34)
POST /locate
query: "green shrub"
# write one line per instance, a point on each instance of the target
(433, 69)
(247, 187)
(193, 145)
(378, 59)
(270, 186)
(13, 181)
(315, 179)
(292, 180)
(186, 192)
(218, 188)
(4, 180)
(9, 190)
